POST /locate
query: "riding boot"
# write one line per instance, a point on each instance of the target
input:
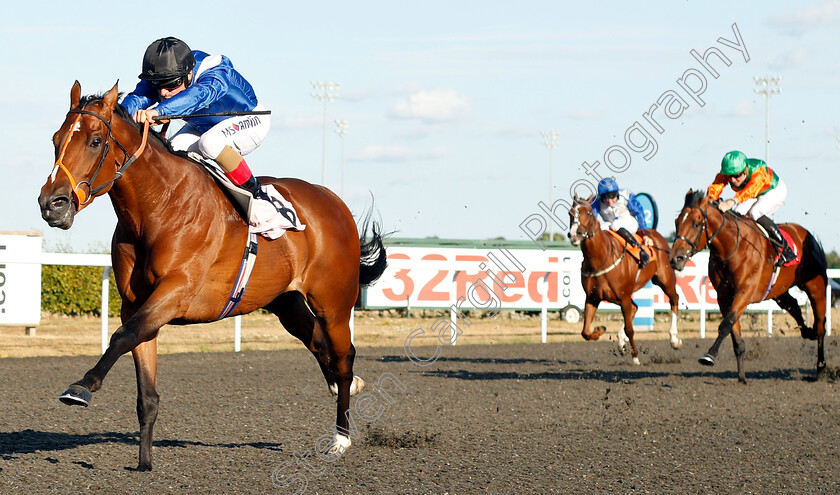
(776, 238)
(253, 186)
(644, 258)
(237, 170)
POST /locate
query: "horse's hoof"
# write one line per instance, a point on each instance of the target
(340, 444)
(808, 333)
(676, 344)
(76, 395)
(706, 360)
(821, 373)
(636, 361)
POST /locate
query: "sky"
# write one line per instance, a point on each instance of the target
(445, 101)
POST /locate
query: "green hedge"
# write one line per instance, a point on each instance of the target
(76, 290)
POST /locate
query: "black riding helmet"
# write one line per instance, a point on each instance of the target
(166, 60)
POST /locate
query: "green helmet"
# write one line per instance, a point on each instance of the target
(733, 163)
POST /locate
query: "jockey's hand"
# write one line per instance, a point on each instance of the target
(727, 205)
(143, 116)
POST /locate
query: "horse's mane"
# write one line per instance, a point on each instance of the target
(122, 113)
(694, 197)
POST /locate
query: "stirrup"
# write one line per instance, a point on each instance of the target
(787, 255)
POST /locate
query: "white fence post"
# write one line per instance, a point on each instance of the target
(769, 319)
(104, 307)
(237, 333)
(703, 307)
(544, 312)
(352, 325)
(453, 299)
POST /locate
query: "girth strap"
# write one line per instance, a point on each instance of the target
(248, 259)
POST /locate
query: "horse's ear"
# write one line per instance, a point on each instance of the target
(75, 94)
(590, 198)
(110, 98)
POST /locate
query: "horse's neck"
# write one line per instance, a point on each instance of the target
(157, 188)
(725, 235)
(598, 248)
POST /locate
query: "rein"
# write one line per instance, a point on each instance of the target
(82, 198)
(709, 238)
(588, 234)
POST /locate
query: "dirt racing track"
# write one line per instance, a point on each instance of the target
(555, 418)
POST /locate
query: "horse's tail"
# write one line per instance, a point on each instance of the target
(817, 251)
(373, 260)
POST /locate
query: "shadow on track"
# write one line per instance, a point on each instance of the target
(611, 376)
(29, 441)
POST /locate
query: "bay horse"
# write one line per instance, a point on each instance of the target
(741, 269)
(177, 248)
(610, 274)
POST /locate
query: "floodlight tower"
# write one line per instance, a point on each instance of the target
(767, 87)
(550, 141)
(325, 92)
(341, 131)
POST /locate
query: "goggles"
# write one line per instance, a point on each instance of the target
(168, 83)
(610, 195)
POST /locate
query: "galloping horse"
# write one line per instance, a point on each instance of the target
(610, 274)
(177, 248)
(741, 268)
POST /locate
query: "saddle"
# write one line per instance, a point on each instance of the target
(633, 250)
(270, 220)
(789, 240)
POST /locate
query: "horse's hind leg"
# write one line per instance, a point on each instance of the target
(342, 353)
(292, 311)
(145, 366)
(788, 303)
(815, 289)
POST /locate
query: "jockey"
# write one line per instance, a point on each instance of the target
(621, 212)
(759, 192)
(179, 81)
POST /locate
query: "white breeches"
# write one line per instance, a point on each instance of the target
(766, 204)
(627, 222)
(243, 133)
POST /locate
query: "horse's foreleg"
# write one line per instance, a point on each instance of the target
(162, 306)
(145, 366)
(628, 310)
(724, 330)
(670, 290)
(740, 348)
(589, 310)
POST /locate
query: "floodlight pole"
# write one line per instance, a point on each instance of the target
(325, 92)
(549, 140)
(341, 131)
(767, 87)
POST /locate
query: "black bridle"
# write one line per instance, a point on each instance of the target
(705, 230)
(128, 159)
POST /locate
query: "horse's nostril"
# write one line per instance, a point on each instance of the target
(59, 203)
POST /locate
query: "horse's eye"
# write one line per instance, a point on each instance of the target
(697, 225)
(96, 142)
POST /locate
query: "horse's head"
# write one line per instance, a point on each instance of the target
(691, 228)
(81, 148)
(583, 223)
